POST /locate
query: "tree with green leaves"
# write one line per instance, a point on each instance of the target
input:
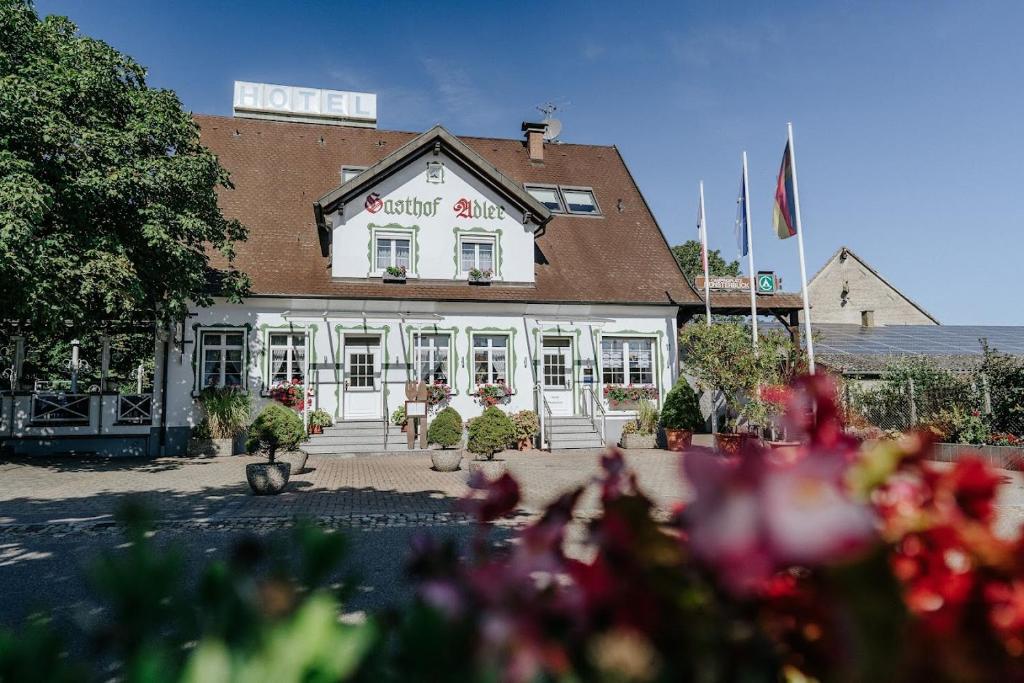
(688, 256)
(108, 201)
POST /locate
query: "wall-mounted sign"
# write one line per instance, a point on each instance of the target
(765, 283)
(465, 208)
(267, 101)
(408, 206)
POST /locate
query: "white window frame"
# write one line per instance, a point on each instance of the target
(393, 237)
(292, 367)
(222, 348)
(477, 241)
(431, 351)
(354, 170)
(575, 188)
(553, 188)
(626, 368)
(491, 351)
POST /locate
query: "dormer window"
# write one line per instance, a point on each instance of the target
(350, 172)
(579, 201)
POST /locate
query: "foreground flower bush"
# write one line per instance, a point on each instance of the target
(825, 562)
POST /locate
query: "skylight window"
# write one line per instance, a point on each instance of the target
(548, 196)
(580, 201)
(350, 172)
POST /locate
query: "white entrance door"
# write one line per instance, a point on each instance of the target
(362, 397)
(558, 375)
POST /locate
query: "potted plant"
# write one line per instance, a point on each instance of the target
(226, 413)
(319, 419)
(398, 417)
(480, 277)
(276, 427)
(721, 358)
(489, 434)
(395, 274)
(446, 431)
(527, 426)
(681, 416)
(628, 397)
(642, 431)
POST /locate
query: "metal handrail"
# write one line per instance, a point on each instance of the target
(543, 413)
(384, 411)
(547, 415)
(595, 406)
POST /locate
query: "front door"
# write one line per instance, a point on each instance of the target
(362, 397)
(558, 375)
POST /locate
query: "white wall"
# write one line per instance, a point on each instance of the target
(435, 236)
(524, 323)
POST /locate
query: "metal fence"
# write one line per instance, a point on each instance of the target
(963, 410)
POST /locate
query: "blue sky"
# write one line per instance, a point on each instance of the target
(908, 116)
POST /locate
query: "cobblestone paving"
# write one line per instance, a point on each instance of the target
(64, 496)
(58, 497)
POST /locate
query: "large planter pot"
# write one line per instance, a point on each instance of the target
(678, 439)
(492, 469)
(630, 441)
(525, 444)
(267, 478)
(731, 443)
(316, 429)
(446, 459)
(297, 459)
(623, 405)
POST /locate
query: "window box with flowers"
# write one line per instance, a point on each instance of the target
(395, 274)
(493, 394)
(292, 394)
(480, 277)
(438, 393)
(628, 396)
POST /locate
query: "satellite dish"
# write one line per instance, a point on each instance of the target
(551, 129)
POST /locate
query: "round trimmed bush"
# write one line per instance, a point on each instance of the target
(681, 409)
(446, 429)
(275, 427)
(491, 432)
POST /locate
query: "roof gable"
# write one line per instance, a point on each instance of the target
(434, 141)
(839, 253)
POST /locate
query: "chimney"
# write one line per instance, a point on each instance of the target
(535, 140)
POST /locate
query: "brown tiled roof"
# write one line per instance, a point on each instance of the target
(766, 303)
(279, 169)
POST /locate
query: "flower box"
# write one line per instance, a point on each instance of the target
(480, 277)
(394, 274)
(631, 441)
(623, 405)
(628, 397)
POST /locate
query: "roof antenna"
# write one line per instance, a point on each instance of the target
(552, 126)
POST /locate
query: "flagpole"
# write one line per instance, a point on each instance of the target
(704, 257)
(800, 247)
(707, 296)
(750, 251)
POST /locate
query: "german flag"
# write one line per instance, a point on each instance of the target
(784, 213)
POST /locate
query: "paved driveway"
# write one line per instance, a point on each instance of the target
(82, 493)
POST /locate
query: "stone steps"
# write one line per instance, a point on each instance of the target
(575, 431)
(359, 436)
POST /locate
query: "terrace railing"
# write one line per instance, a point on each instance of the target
(64, 410)
(135, 409)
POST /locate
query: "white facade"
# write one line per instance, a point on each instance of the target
(357, 356)
(435, 206)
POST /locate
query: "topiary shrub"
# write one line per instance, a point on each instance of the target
(681, 409)
(275, 427)
(446, 429)
(491, 432)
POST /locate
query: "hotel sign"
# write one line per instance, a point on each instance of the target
(286, 102)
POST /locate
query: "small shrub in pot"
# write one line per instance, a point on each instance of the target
(489, 434)
(641, 432)
(681, 416)
(527, 426)
(319, 419)
(275, 428)
(446, 431)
